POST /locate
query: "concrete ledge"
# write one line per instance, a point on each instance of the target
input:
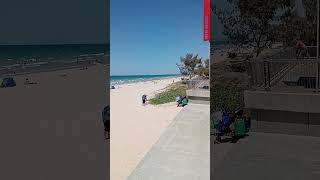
(285, 122)
(294, 102)
(314, 130)
(198, 93)
(281, 128)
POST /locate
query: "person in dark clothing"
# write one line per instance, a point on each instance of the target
(223, 126)
(144, 99)
(179, 100)
(106, 121)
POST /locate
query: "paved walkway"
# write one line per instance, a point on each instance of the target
(266, 156)
(183, 150)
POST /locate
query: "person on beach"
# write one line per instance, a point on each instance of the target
(179, 100)
(27, 81)
(184, 101)
(301, 49)
(144, 99)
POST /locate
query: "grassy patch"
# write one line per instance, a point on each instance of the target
(169, 95)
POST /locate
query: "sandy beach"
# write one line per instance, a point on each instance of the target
(135, 128)
(53, 129)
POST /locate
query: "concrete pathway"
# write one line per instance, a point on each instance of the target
(183, 150)
(266, 156)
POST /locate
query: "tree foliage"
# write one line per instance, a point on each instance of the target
(293, 27)
(190, 64)
(252, 24)
(203, 69)
(227, 87)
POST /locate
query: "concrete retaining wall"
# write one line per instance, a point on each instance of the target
(285, 113)
(199, 96)
(286, 122)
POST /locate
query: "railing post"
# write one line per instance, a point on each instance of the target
(265, 74)
(269, 80)
(249, 73)
(318, 75)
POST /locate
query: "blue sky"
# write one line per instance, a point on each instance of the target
(149, 36)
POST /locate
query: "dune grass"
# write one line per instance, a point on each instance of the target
(169, 95)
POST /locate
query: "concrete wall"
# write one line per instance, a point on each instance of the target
(296, 114)
(198, 96)
(198, 93)
(296, 102)
(285, 122)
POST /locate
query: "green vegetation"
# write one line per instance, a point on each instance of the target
(191, 65)
(252, 27)
(228, 83)
(169, 95)
(257, 25)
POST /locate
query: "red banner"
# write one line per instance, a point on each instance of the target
(206, 23)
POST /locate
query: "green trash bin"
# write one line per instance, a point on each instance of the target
(239, 127)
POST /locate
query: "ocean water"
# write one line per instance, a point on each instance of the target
(9, 54)
(116, 80)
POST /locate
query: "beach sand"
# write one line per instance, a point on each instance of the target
(53, 130)
(136, 127)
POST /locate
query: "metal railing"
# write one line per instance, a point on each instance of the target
(203, 84)
(284, 75)
(286, 71)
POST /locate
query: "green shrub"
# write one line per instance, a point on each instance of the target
(169, 95)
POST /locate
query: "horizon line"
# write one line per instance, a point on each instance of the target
(48, 44)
